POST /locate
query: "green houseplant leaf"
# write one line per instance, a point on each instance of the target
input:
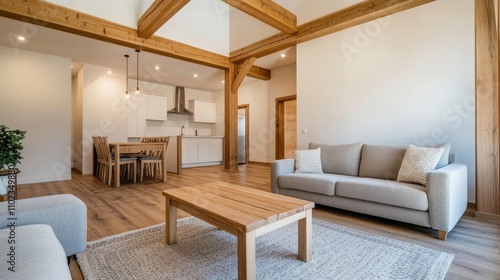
(10, 146)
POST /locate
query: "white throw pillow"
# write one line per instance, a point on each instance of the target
(417, 162)
(308, 161)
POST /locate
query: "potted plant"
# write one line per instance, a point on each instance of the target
(10, 152)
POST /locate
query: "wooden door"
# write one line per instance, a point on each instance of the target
(286, 126)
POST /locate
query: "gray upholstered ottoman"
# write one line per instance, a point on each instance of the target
(47, 230)
(36, 254)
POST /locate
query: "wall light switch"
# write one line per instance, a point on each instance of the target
(303, 131)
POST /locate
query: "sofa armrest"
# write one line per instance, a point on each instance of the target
(447, 194)
(278, 168)
(65, 213)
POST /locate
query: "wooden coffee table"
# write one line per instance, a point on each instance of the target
(243, 212)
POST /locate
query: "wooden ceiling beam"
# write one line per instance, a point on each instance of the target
(242, 73)
(259, 73)
(60, 18)
(269, 12)
(351, 16)
(157, 15)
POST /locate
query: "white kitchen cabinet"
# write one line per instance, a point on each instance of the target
(216, 149)
(203, 111)
(189, 150)
(144, 107)
(201, 151)
(136, 118)
(156, 107)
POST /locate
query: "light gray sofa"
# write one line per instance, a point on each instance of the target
(48, 230)
(362, 178)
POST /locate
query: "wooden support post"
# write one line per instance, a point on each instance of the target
(231, 122)
(487, 108)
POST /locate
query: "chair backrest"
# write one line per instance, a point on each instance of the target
(160, 139)
(102, 147)
(96, 140)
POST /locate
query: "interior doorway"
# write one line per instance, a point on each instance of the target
(286, 126)
(243, 133)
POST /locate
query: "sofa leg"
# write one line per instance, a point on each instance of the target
(442, 234)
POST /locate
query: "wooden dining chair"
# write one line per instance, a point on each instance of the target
(99, 167)
(151, 161)
(106, 161)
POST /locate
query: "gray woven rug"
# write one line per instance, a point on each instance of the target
(203, 252)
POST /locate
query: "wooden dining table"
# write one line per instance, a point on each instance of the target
(134, 148)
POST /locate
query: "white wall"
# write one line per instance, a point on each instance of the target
(407, 78)
(104, 110)
(255, 94)
(35, 95)
(77, 120)
(283, 83)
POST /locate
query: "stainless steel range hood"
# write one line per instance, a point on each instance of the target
(180, 103)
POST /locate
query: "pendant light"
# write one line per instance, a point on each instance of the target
(137, 89)
(126, 76)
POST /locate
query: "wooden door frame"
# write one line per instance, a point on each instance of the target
(280, 124)
(247, 129)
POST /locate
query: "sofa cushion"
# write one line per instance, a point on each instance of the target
(39, 255)
(340, 159)
(445, 157)
(388, 192)
(308, 161)
(381, 161)
(418, 161)
(316, 183)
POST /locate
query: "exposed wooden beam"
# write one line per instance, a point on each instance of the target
(268, 12)
(157, 15)
(231, 123)
(57, 17)
(242, 73)
(348, 17)
(259, 73)
(487, 109)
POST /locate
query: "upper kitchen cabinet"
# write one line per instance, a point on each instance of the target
(136, 116)
(156, 107)
(144, 107)
(203, 111)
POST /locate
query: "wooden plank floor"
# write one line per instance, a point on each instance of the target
(474, 242)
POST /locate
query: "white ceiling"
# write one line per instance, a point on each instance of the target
(208, 24)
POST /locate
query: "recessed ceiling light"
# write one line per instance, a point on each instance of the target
(21, 38)
(223, 82)
(157, 67)
(283, 55)
(195, 75)
(110, 72)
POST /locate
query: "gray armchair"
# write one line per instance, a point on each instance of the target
(47, 230)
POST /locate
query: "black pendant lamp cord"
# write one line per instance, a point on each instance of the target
(126, 74)
(137, 51)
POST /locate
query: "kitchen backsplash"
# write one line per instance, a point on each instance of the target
(173, 126)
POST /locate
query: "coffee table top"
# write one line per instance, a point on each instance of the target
(233, 207)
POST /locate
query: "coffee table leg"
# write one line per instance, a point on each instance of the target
(246, 256)
(170, 222)
(305, 237)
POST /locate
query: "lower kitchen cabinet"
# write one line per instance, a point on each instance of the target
(202, 151)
